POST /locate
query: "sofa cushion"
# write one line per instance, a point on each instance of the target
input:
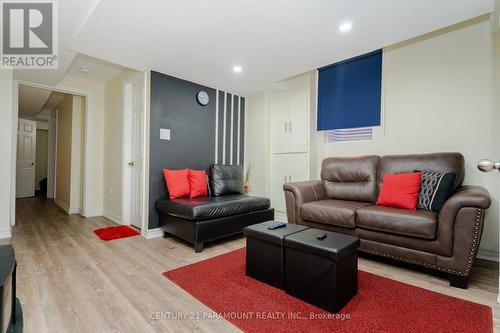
(177, 182)
(414, 223)
(350, 178)
(435, 189)
(435, 162)
(400, 190)
(207, 208)
(197, 183)
(335, 212)
(225, 179)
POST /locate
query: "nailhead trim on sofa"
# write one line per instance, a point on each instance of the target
(472, 253)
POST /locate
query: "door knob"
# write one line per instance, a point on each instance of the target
(131, 163)
(488, 165)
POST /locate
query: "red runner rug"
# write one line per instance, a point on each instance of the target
(115, 232)
(381, 305)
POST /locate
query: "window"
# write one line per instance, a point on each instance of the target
(350, 134)
(349, 93)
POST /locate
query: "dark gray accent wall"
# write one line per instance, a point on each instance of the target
(173, 106)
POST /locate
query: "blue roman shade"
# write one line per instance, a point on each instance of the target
(349, 93)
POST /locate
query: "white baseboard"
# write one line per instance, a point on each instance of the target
(113, 217)
(62, 205)
(74, 210)
(66, 208)
(92, 212)
(487, 255)
(152, 233)
(5, 234)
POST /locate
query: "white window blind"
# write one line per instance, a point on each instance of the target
(350, 134)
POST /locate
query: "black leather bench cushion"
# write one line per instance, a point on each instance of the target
(206, 208)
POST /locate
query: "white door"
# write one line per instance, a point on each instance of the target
(287, 168)
(279, 122)
(298, 113)
(26, 154)
(136, 154)
(279, 177)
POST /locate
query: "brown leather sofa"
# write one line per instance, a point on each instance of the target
(344, 201)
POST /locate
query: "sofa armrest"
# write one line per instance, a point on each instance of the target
(299, 193)
(460, 225)
(466, 196)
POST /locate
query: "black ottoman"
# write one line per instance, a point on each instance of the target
(321, 272)
(265, 257)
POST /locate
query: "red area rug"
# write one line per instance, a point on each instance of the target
(382, 305)
(115, 232)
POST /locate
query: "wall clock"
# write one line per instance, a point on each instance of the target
(202, 98)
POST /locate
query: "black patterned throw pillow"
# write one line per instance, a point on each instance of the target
(435, 189)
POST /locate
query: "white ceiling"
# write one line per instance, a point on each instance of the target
(272, 40)
(36, 103)
(101, 71)
(55, 98)
(31, 101)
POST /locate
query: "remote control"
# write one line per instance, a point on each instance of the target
(276, 225)
(321, 236)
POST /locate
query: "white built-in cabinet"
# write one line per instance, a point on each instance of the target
(290, 117)
(287, 168)
(290, 111)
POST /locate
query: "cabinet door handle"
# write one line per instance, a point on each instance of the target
(290, 178)
(286, 127)
(290, 126)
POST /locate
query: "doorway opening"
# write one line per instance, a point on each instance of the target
(50, 146)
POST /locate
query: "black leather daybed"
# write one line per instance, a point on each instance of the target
(226, 211)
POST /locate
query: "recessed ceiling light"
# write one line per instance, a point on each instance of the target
(237, 69)
(345, 27)
(86, 70)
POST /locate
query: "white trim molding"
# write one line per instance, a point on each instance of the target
(5, 234)
(152, 233)
(86, 159)
(488, 255)
(93, 212)
(67, 208)
(112, 217)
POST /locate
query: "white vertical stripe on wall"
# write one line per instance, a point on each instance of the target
(232, 132)
(239, 131)
(216, 125)
(224, 130)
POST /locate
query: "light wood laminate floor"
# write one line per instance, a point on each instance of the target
(70, 281)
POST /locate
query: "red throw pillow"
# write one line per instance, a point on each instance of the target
(198, 183)
(400, 190)
(177, 182)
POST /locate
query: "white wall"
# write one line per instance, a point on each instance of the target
(77, 146)
(94, 150)
(438, 96)
(6, 128)
(257, 143)
(63, 160)
(42, 154)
